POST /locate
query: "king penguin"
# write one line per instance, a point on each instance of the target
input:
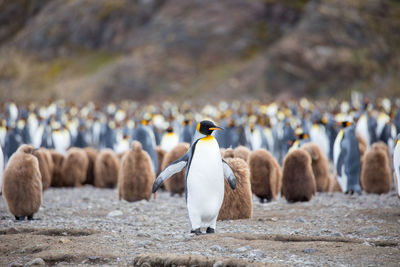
(396, 164)
(204, 182)
(346, 157)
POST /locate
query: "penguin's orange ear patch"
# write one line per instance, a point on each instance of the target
(198, 127)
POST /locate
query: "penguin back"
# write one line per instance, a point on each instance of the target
(57, 175)
(75, 167)
(135, 178)
(91, 154)
(320, 166)
(242, 152)
(45, 166)
(237, 204)
(106, 169)
(265, 174)
(22, 183)
(298, 181)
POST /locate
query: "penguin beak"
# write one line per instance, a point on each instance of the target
(396, 141)
(216, 128)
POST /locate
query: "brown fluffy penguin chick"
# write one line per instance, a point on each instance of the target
(160, 156)
(320, 166)
(45, 166)
(135, 178)
(376, 171)
(22, 183)
(75, 167)
(91, 154)
(228, 153)
(57, 175)
(237, 203)
(242, 152)
(176, 183)
(265, 175)
(298, 182)
(106, 169)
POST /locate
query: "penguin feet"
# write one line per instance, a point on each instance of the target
(262, 200)
(19, 218)
(30, 217)
(196, 231)
(210, 230)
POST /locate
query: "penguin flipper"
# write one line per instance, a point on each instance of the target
(170, 170)
(340, 160)
(228, 174)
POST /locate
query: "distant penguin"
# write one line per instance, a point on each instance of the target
(242, 152)
(175, 184)
(396, 164)
(204, 179)
(237, 204)
(145, 135)
(265, 175)
(228, 153)
(366, 127)
(57, 176)
(169, 140)
(135, 177)
(186, 132)
(106, 169)
(298, 182)
(320, 166)
(61, 139)
(319, 136)
(160, 156)
(45, 166)
(22, 184)
(75, 167)
(376, 170)
(346, 155)
(91, 154)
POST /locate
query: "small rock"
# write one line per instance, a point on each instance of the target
(11, 231)
(218, 264)
(14, 264)
(274, 219)
(242, 249)
(143, 235)
(62, 263)
(367, 230)
(93, 258)
(216, 248)
(64, 241)
(35, 262)
(309, 250)
(257, 253)
(301, 220)
(115, 213)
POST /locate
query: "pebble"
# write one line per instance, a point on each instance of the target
(309, 250)
(115, 213)
(216, 248)
(300, 219)
(93, 258)
(14, 264)
(257, 253)
(367, 230)
(242, 249)
(218, 264)
(35, 262)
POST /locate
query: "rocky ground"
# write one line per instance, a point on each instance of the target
(89, 226)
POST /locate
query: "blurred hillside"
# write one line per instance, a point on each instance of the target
(148, 49)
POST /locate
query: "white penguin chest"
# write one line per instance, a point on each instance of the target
(205, 180)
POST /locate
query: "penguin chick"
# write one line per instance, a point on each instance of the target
(175, 184)
(135, 178)
(57, 175)
(298, 182)
(237, 204)
(91, 154)
(228, 153)
(45, 166)
(160, 156)
(22, 183)
(362, 147)
(320, 166)
(265, 175)
(242, 152)
(376, 171)
(106, 169)
(75, 167)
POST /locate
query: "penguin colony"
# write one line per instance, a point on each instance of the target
(101, 132)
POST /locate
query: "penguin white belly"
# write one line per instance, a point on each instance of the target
(396, 165)
(205, 184)
(342, 180)
(169, 141)
(256, 140)
(362, 129)
(319, 137)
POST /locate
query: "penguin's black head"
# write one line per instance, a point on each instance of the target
(206, 127)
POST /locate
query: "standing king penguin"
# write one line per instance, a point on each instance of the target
(396, 164)
(204, 182)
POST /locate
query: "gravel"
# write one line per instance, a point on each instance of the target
(90, 226)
